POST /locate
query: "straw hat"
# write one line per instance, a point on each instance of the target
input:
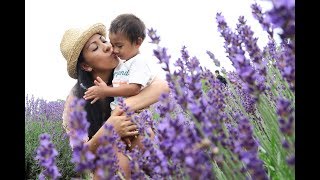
(73, 42)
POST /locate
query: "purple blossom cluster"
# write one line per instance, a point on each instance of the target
(46, 155)
(270, 52)
(246, 146)
(206, 108)
(286, 63)
(40, 109)
(281, 16)
(144, 163)
(78, 135)
(107, 163)
(254, 82)
(215, 60)
(259, 15)
(153, 161)
(178, 142)
(285, 113)
(247, 101)
(252, 47)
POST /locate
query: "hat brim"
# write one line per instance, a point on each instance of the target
(97, 28)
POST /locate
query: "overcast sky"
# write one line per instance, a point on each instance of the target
(178, 22)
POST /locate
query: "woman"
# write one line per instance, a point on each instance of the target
(89, 55)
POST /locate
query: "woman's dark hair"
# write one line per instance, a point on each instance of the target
(98, 112)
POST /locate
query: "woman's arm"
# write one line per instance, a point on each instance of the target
(148, 95)
(121, 125)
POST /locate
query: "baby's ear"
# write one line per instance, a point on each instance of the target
(139, 41)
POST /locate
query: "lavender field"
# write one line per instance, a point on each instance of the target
(204, 129)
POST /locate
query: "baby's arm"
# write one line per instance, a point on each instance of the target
(124, 90)
(102, 90)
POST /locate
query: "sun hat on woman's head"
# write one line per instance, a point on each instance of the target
(73, 41)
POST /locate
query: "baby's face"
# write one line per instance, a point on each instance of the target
(122, 46)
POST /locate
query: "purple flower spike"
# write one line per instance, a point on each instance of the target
(286, 118)
(257, 13)
(247, 149)
(78, 135)
(46, 154)
(153, 36)
(216, 61)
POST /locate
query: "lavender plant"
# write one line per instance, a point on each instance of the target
(34, 127)
(46, 155)
(78, 126)
(249, 90)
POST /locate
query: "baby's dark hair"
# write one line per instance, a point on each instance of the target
(130, 25)
(217, 71)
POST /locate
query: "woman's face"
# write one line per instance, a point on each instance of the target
(98, 54)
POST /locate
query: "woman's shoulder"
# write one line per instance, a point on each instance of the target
(72, 93)
(66, 110)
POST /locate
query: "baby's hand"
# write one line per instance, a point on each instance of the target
(92, 93)
(96, 92)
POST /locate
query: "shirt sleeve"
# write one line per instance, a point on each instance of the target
(140, 72)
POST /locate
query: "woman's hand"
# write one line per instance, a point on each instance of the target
(122, 124)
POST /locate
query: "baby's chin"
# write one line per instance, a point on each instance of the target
(120, 57)
(123, 57)
(116, 62)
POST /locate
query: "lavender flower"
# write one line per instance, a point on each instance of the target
(124, 107)
(136, 164)
(253, 81)
(142, 120)
(177, 142)
(153, 161)
(251, 46)
(177, 139)
(285, 144)
(107, 162)
(153, 36)
(285, 116)
(247, 101)
(78, 123)
(283, 16)
(41, 109)
(247, 149)
(46, 154)
(216, 61)
(257, 13)
(78, 135)
(270, 51)
(286, 64)
(291, 160)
